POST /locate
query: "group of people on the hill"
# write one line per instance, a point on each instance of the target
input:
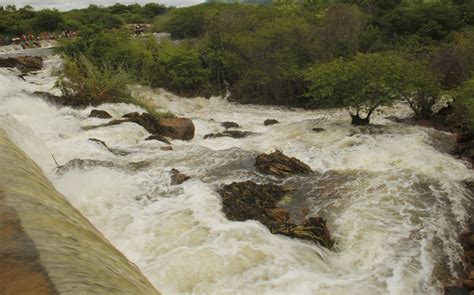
(30, 41)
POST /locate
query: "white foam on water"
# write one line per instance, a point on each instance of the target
(395, 207)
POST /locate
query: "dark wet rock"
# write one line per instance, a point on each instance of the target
(228, 125)
(25, 64)
(318, 129)
(250, 201)
(177, 128)
(166, 148)
(100, 114)
(268, 122)
(278, 164)
(116, 152)
(456, 290)
(147, 121)
(110, 123)
(159, 138)
(178, 177)
(230, 133)
(85, 164)
(131, 115)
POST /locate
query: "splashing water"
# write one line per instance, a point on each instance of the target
(394, 204)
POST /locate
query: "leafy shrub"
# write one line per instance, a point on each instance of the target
(84, 84)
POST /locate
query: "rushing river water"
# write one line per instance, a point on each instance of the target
(394, 204)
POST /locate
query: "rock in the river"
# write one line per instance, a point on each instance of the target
(318, 129)
(159, 138)
(146, 120)
(278, 164)
(268, 122)
(229, 133)
(116, 152)
(100, 114)
(456, 290)
(228, 125)
(131, 115)
(247, 200)
(85, 164)
(177, 128)
(25, 64)
(178, 177)
(166, 148)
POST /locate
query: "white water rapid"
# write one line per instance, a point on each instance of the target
(394, 204)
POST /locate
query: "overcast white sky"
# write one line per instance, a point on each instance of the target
(70, 4)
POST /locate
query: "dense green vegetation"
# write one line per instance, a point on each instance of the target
(22, 21)
(358, 54)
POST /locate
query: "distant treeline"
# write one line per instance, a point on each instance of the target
(357, 54)
(21, 21)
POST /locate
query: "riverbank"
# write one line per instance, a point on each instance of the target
(463, 148)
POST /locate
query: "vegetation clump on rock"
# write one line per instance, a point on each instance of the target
(280, 165)
(250, 201)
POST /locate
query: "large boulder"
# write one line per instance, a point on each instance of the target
(25, 64)
(177, 128)
(247, 200)
(280, 165)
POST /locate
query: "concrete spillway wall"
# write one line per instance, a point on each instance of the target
(46, 245)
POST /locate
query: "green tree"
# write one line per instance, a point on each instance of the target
(361, 85)
(463, 103)
(48, 21)
(422, 89)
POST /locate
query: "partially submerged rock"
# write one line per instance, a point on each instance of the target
(318, 129)
(229, 124)
(278, 164)
(116, 152)
(177, 128)
(159, 138)
(248, 200)
(146, 120)
(85, 164)
(229, 133)
(268, 122)
(100, 114)
(166, 148)
(25, 64)
(178, 177)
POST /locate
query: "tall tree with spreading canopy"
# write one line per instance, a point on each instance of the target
(361, 84)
